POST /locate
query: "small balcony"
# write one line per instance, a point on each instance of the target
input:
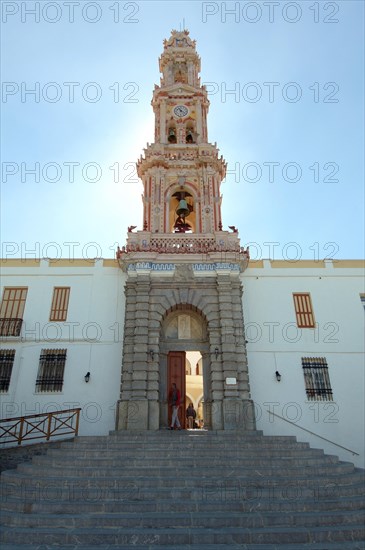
(10, 326)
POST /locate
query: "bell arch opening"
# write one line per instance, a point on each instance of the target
(185, 360)
(182, 206)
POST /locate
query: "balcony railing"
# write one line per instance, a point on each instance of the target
(10, 326)
(39, 426)
(144, 241)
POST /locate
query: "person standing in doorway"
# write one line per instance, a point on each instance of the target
(190, 415)
(174, 400)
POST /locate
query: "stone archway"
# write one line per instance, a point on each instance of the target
(212, 300)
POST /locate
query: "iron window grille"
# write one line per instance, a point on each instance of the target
(10, 327)
(51, 370)
(316, 379)
(6, 366)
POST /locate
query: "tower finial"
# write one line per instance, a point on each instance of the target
(182, 27)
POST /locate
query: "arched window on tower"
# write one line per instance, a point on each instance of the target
(181, 72)
(171, 135)
(190, 135)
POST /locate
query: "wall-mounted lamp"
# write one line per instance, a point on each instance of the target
(152, 354)
(87, 377)
(278, 375)
(216, 351)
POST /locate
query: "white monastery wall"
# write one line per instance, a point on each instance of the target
(275, 343)
(92, 335)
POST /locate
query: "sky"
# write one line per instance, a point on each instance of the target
(286, 90)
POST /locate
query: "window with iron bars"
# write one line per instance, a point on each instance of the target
(316, 379)
(6, 366)
(51, 370)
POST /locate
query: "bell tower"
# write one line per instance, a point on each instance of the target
(182, 259)
(181, 171)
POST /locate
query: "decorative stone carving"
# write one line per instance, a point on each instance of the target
(184, 327)
(183, 273)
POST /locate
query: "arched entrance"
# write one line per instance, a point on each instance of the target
(181, 308)
(184, 335)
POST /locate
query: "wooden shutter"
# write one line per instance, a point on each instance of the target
(304, 310)
(13, 302)
(12, 310)
(61, 295)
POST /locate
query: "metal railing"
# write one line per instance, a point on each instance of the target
(39, 426)
(313, 433)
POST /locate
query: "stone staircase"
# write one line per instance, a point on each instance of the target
(183, 489)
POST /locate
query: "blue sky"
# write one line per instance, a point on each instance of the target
(292, 131)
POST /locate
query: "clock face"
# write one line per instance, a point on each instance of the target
(181, 111)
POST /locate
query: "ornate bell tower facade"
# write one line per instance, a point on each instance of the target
(183, 288)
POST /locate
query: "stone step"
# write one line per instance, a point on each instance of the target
(320, 502)
(155, 520)
(290, 546)
(184, 489)
(221, 466)
(239, 471)
(73, 489)
(47, 477)
(199, 433)
(139, 457)
(200, 448)
(202, 452)
(173, 436)
(189, 536)
(187, 435)
(90, 469)
(170, 444)
(198, 455)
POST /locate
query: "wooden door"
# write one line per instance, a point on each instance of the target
(176, 373)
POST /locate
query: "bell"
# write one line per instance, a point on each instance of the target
(172, 136)
(183, 210)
